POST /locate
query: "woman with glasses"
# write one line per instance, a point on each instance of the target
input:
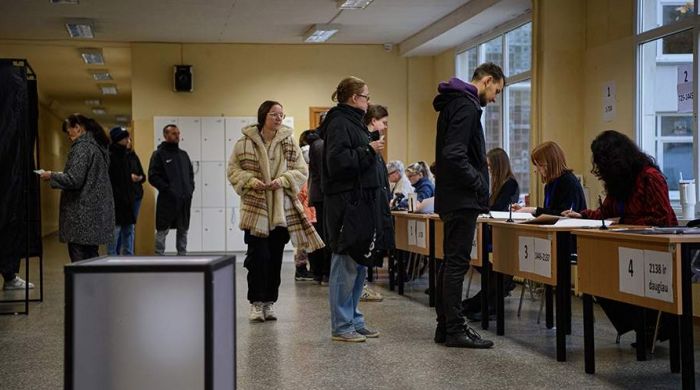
(421, 179)
(562, 190)
(86, 214)
(398, 182)
(267, 170)
(350, 175)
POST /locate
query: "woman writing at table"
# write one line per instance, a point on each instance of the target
(562, 190)
(637, 193)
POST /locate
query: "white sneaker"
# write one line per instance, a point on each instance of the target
(17, 284)
(369, 295)
(256, 312)
(268, 311)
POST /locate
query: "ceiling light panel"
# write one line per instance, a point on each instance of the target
(100, 75)
(99, 111)
(353, 4)
(108, 89)
(121, 118)
(75, 2)
(80, 29)
(320, 33)
(92, 56)
(93, 102)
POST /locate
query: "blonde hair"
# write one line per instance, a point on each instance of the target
(346, 88)
(500, 171)
(551, 156)
(420, 167)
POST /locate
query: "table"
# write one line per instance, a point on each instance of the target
(661, 260)
(541, 253)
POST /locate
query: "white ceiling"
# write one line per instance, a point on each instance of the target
(34, 29)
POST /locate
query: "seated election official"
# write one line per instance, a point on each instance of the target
(637, 193)
(562, 190)
(504, 191)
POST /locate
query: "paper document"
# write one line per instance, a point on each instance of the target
(582, 223)
(505, 215)
(39, 171)
(543, 219)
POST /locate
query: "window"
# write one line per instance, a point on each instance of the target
(665, 126)
(507, 121)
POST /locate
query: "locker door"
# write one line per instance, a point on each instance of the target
(232, 198)
(191, 136)
(194, 235)
(158, 123)
(197, 195)
(234, 235)
(213, 184)
(213, 139)
(213, 230)
(233, 132)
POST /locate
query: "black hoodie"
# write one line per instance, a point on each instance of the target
(460, 150)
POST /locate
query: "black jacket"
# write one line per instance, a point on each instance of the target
(136, 169)
(562, 193)
(170, 172)
(460, 154)
(507, 195)
(315, 168)
(122, 186)
(348, 160)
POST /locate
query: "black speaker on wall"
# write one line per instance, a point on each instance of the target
(182, 78)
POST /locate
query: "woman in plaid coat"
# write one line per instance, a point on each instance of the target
(267, 170)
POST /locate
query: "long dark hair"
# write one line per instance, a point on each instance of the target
(263, 110)
(90, 125)
(501, 171)
(617, 161)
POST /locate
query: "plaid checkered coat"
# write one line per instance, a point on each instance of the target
(263, 211)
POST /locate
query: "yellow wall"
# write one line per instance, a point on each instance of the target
(53, 150)
(233, 79)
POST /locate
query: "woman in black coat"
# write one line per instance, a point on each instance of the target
(123, 191)
(349, 163)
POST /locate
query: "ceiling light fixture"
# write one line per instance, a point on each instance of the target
(353, 4)
(92, 56)
(93, 102)
(64, 1)
(80, 28)
(108, 89)
(320, 32)
(100, 74)
(121, 118)
(99, 111)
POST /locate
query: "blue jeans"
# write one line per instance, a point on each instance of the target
(130, 243)
(345, 288)
(122, 233)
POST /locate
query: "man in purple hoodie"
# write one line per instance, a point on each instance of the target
(461, 192)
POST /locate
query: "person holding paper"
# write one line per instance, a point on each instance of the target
(461, 193)
(637, 193)
(86, 214)
(562, 190)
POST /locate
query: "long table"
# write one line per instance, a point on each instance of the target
(541, 253)
(650, 271)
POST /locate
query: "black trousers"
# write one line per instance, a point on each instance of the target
(457, 243)
(320, 260)
(9, 267)
(78, 252)
(264, 263)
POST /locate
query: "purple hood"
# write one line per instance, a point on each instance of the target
(455, 86)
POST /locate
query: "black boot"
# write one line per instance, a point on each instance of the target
(467, 339)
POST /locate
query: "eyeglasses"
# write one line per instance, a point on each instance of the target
(277, 115)
(364, 96)
(392, 172)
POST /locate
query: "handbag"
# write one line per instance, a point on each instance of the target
(358, 233)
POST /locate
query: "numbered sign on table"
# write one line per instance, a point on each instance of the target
(421, 228)
(543, 257)
(658, 268)
(411, 232)
(631, 263)
(526, 254)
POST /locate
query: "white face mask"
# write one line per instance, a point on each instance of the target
(305, 152)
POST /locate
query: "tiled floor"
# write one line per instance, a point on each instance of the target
(296, 352)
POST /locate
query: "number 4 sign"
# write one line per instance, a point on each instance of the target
(631, 271)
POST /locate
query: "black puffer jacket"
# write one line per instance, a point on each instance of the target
(460, 151)
(315, 167)
(348, 161)
(170, 172)
(122, 186)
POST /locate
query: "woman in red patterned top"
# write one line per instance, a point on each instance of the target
(637, 193)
